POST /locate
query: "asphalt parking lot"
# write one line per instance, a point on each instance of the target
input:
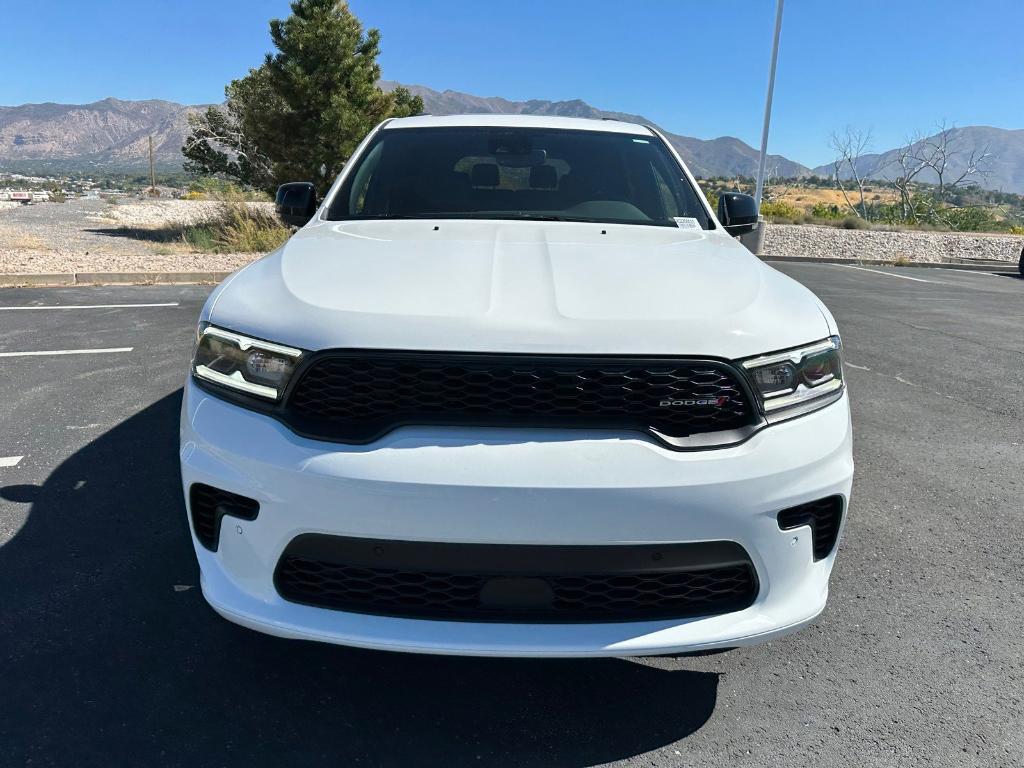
(110, 656)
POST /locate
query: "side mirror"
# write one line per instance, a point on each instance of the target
(737, 212)
(296, 202)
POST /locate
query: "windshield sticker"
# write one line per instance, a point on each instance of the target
(686, 222)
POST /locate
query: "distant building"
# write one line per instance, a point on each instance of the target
(24, 196)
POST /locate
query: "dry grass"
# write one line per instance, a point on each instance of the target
(15, 239)
(231, 227)
(809, 197)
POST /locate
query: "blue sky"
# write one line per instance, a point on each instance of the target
(695, 67)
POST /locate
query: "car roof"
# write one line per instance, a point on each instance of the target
(518, 121)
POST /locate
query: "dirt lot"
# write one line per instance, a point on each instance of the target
(97, 236)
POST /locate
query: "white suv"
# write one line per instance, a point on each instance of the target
(515, 390)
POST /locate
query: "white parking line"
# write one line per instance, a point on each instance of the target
(887, 274)
(45, 352)
(92, 306)
(969, 271)
(10, 461)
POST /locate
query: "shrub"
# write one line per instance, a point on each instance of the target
(57, 194)
(1016, 230)
(236, 228)
(825, 211)
(854, 222)
(779, 209)
(246, 229)
(200, 238)
(212, 188)
(967, 219)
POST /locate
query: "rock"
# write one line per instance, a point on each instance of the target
(925, 247)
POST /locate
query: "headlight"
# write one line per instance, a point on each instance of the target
(238, 362)
(798, 380)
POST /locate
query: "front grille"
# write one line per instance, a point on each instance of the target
(357, 396)
(824, 516)
(516, 583)
(208, 505)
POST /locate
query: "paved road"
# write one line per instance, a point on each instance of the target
(109, 656)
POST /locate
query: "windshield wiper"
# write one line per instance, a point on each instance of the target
(389, 216)
(523, 215)
(538, 216)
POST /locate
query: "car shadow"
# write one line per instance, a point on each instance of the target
(109, 654)
(167, 234)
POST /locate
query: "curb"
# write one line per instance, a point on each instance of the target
(111, 278)
(1003, 267)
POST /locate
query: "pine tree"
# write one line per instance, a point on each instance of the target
(300, 115)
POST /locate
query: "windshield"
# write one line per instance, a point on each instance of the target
(517, 173)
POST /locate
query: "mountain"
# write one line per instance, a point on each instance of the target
(111, 135)
(1005, 166)
(725, 156)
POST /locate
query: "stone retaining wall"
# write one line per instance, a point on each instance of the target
(930, 247)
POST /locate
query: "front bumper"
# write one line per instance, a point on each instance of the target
(514, 486)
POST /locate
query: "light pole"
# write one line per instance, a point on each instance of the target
(759, 189)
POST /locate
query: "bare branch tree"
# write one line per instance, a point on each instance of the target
(216, 144)
(944, 151)
(850, 148)
(945, 158)
(910, 166)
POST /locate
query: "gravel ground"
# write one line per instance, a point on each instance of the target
(92, 236)
(928, 247)
(89, 236)
(156, 213)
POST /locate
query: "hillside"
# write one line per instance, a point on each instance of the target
(112, 135)
(725, 156)
(1005, 168)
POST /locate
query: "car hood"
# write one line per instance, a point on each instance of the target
(518, 286)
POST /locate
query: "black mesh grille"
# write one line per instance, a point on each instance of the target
(823, 516)
(208, 505)
(358, 396)
(472, 593)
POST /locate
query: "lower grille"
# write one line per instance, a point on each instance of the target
(516, 583)
(824, 516)
(208, 505)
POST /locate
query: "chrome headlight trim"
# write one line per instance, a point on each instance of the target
(806, 392)
(235, 369)
(245, 343)
(794, 356)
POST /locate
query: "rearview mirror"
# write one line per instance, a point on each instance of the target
(532, 159)
(737, 212)
(296, 202)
